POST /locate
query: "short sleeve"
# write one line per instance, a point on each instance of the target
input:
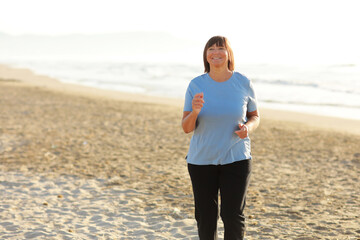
(252, 103)
(188, 100)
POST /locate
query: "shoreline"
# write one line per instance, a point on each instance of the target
(27, 77)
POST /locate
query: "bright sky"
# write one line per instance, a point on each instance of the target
(271, 30)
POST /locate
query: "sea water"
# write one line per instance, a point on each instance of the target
(329, 90)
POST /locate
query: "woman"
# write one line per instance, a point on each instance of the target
(220, 107)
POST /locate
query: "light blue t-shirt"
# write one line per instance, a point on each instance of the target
(214, 141)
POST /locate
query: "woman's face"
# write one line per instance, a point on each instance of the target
(217, 56)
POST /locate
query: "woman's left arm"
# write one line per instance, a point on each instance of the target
(253, 120)
(250, 126)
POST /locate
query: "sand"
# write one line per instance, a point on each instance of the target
(82, 163)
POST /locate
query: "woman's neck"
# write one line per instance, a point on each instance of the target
(220, 74)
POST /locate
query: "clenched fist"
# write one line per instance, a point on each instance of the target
(198, 102)
(243, 132)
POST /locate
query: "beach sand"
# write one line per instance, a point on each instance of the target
(82, 163)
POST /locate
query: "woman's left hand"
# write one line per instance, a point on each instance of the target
(243, 132)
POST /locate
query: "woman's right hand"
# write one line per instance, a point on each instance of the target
(189, 118)
(198, 103)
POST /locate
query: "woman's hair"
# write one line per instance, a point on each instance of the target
(223, 42)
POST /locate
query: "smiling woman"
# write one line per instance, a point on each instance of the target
(221, 109)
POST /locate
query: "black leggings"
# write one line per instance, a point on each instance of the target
(232, 180)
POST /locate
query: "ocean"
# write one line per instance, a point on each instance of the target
(328, 90)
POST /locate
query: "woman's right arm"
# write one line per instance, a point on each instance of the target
(189, 118)
(189, 121)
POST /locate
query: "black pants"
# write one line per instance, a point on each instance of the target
(232, 180)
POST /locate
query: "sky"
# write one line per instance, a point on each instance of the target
(313, 31)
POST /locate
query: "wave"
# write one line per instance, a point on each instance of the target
(290, 83)
(311, 104)
(285, 82)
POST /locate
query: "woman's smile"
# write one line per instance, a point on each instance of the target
(217, 55)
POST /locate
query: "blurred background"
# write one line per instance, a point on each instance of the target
(302, 56)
